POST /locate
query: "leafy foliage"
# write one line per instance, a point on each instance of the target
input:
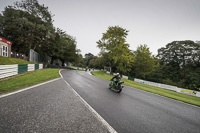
(144, 63)
(115, 50)
(180, 52)
(181, 63)
(29, 25)
(89, 57)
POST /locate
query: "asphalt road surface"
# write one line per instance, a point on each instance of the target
(48, 108)
(54, 107)
(133, 110)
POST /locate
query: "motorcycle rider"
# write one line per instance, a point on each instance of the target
(117, 77)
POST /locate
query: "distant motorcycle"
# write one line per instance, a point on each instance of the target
(116, 87)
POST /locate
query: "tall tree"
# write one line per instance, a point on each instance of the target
(79, 60)
(69, 50)
(64, 48)
(88, 57)
(181, 62)
(115, 49)
(180, 52)
(144, 63)
(29, 25)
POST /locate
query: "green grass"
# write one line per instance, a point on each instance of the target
(167, 93)
(27, 79)
(102, 75)
(10, 61)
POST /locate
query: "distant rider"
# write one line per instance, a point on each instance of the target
(86, 69)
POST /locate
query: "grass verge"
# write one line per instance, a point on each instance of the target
(27, 79)
(167, 93)
(10, 61)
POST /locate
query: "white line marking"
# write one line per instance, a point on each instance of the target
(89, 73)
(5, 95)
(112, 130)
(60, 74)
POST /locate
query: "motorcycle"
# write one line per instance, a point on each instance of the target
(116, 87)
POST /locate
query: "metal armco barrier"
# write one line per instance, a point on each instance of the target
(31, 67)
(10, 70)
(36, 66)
(169, 87)
(22, 68)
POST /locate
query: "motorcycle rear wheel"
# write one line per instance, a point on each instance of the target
(119, 89)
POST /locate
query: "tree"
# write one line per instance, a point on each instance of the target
(144, 63)
(64, 48)
(69, 49)
(79, 60)
(29, 25)
(181, 62)
(115, 49)
(180, 52)
(88, 57)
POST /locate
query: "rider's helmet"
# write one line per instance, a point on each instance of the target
(116, 74)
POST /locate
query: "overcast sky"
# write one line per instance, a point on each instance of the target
(152, 22)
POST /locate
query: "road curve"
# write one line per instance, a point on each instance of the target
(134, 110)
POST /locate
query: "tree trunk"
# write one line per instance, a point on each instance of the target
(63, 63)
(111, 71)
(52, 59)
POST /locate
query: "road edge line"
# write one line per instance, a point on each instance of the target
(98, 116)
(21, 90)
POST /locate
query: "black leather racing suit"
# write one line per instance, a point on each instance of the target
(118, 78)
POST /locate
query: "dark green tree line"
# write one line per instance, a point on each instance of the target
(181, 64)
(29, 25)
(176, 64)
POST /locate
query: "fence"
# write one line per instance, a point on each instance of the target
(34, 56)
(169, 87)
(10, 70)
(38, 58)
(108, 69)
